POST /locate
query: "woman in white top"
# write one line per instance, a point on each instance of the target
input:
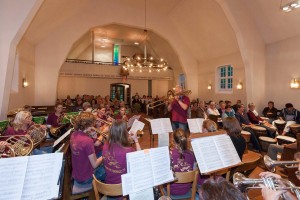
(212, 110)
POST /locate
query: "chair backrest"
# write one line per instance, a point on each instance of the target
(106, 189)
(186, 177)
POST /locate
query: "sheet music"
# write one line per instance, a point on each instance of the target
(140, 169)
(195, 125)
(132, 119)
(160, 160)
(214, 152)
(42, 174)
(161, 125)
(226, 150)
(146, 169)
(56, 142)
(12, 175)
(163, 140)
(136, 126)
(146, 194)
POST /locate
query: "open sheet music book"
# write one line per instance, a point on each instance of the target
(136, 126)
(145, 169)
(161, 125)
(132, 119)
(195, 125)
(214, 153)
(30, 177)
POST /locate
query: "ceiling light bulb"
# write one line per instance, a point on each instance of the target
(136, 43)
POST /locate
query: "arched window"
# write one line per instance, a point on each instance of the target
(225, 77)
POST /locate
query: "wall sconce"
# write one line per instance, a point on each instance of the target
(295, 83)
(209, 87)
(239, 86)
(24, 83)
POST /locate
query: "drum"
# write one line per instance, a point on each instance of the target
(280, 124)
(246, 135)
(295, 128)
(285, 139)
(259, 131)
(265, 142)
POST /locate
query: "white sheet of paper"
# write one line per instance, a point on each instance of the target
(163, 139)
(161, 125)
(195, 125)
(42, 176)
(132, 119)
(146, 194)
(126, 184)
(56, 142)
(136, 126)
(12, 175)
(140, 169)
(160, 160)
(214, 152)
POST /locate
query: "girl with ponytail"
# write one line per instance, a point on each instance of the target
(182, 160)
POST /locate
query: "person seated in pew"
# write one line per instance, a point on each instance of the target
(115, 150)
(212, 110)
(218, 188)
(20, 125)
(233, 129)
(290, 115)
(270, 112)
(246, 125)
(269, 194)
(201, 110)
(54, 119)
(254, 118)
(84, 160)
(222, 108)
(209, 126)
(182, 160)
(229, 112)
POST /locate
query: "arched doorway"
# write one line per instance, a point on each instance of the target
(121, 91)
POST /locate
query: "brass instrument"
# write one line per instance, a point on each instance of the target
(56, 131)
(18, 145)
(244, 184)
(170, 97)
(104, 121)
(6, 151)
(271, 164)
(37, 134)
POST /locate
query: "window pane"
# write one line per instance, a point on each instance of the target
(229, 85)
(223, 84)
(230, 71)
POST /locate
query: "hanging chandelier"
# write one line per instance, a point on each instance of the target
(145, 62)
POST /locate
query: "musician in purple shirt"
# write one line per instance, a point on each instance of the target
(84, 159)
(182, 160)
(21, 124)
(179, 108)
(54, 119)
(115, 150)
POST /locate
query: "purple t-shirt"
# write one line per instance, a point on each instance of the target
(52, 120)
(179, 114)
(115, 162)
(81, 147)
(10, 131)
(181, 165)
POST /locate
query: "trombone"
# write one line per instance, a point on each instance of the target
(271, 164)
(244, 184)
(170, 97)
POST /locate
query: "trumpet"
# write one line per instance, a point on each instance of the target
(244, 184)
(104, 121)
(170, 97)
(271, 164)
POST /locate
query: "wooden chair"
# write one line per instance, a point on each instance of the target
(106, 189)
(184, 177)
